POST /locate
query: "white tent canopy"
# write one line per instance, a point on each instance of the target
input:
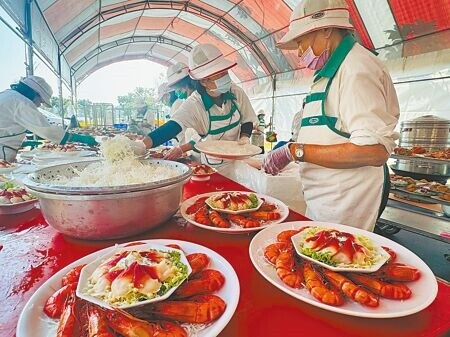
(79, 37)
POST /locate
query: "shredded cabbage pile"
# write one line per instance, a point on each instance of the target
(119, 168)
(117, 148)
(171, 267)
(372, 254)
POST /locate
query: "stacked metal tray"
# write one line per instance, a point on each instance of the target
(419, 190)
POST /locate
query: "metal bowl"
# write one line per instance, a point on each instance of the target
(37, 181)
(109, 213)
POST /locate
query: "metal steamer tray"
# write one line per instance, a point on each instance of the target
(38, 180)
(419, 167)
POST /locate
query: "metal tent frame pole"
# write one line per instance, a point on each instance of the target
(60, 90)
(28, 35)
(274, 88)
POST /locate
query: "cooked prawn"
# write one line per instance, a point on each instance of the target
(288, 270)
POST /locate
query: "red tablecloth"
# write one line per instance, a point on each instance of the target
(31, 251)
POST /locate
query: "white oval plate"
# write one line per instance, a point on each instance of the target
(5, 179)
(4, 170)
(299, 239)
(202, 176)
(62, 154)
(19, 207)
(241, 211)
(424, 290)
(33, 318)
(234, 229)
(227, 149)
(89, 269)
(213, 170)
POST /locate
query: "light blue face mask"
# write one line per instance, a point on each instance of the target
(181, 94)
(223, 84)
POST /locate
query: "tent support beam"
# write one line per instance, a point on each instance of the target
(74, 95)
(60, 90)
(98, 19)
(127, 40)
(274, 88)
(28, 35)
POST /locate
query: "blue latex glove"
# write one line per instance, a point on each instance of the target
(276, 160)
(85, 139)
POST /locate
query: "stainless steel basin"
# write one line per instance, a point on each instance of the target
(108, 213)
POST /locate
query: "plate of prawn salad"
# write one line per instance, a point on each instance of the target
(234, 202)
(266, 211)
(402, 286)
(339, 251)
(56, 310)
(133, 276)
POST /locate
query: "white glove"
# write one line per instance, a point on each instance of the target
(243, 140)
(138, 147)
(174, 153)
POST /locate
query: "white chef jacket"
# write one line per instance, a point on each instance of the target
(17, 115)
(175, 106)
(190, 133)
(363, 98)
(192, 113)
(360, 107)
(296, 122)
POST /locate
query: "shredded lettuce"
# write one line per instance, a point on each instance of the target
(319, 256)
(254, 199)
(371, 251)
(179, 274)
(8, 185)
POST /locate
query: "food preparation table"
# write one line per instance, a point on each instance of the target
(31, 252)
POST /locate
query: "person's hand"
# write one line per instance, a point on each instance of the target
(85, 139)
(33, 144)
(243, 140)
(276, 160)
(138, 147)
(174, 153)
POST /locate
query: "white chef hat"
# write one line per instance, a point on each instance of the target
(206, 60)
(312, 15)
(176, 73)
(162, 90)
(40, 86)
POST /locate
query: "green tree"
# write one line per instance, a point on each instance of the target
(84, 110)
(54, 101)
(134, 101)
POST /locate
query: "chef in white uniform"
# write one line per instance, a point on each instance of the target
(19, 114)
(179, 80)
(347, 127)
(218, 109)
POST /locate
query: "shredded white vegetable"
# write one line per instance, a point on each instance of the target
(117, 148)
(124, 172)
(119, 168)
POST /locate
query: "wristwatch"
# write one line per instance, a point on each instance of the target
(299, 153)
